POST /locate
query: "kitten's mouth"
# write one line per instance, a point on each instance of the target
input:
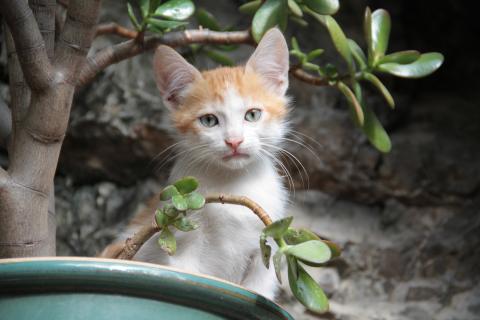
(235, 155)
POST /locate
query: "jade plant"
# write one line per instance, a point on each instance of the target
(295, 247)
(363, 66)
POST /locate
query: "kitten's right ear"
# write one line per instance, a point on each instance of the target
(173, 75)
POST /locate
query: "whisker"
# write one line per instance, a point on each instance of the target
(294, 160)
(178, 154)
(284, 169)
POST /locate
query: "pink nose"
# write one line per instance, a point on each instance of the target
(233, 143)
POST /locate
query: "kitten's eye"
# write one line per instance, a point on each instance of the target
(209, 120)
(253, 115)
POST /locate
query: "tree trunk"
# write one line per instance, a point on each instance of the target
(40, 119)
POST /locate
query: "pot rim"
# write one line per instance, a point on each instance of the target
(149, 272)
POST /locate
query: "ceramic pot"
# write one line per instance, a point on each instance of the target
(88, 288)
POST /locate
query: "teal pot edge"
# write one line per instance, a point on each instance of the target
(64, 274)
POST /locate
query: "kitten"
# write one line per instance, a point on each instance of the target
(230, 122)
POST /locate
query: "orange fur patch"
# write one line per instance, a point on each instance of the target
(213, 86)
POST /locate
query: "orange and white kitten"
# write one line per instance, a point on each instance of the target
(230, 122)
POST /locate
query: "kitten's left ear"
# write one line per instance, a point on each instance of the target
(271, 61)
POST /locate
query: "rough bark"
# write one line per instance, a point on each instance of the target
(25, 223)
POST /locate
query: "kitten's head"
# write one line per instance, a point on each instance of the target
(228, 116)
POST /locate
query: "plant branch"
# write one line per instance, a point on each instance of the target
(29, 44)
(76, 37)
(133, 244)
(5, 123)
(307, 77)
(130, 48)
(241, 201)
(115, 28)
(44, 12)
(127, 49)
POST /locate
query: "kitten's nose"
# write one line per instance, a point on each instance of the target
(233, 143)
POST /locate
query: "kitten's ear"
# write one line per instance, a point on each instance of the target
(173, 75)
(270, 61)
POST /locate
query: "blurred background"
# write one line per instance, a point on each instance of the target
(408, 221)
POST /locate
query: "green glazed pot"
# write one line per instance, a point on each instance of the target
(88, 288)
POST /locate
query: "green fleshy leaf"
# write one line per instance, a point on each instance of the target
(195, 201)
(292, 265)
(296, 236)
(154, 4)
(353, 102)
(278, 228)
(357, 89)
(167, 241)
(207, 20)
(219, 57)
(250, 7)
(375, 132)
(324, 7)
(307, 291)
(357, 54)
(379, 85)
(161, 218)
(266, 251)
(314, 251)
(340, 41)
(295, 45)
(311, 66)
(334, 248)
(314, 54)
(425, 65)
(380, 29)
(161, 26)
(277, 264)
(367, 30)
(170, 211)
(168, 192)
(132, 17)
(186, 185)
(331, 71)
(338, 38)
(301, 22)
(295, 8)
(272, 13)
(144, 7)
(180, 203)
(175, 9)
(185, 225)
(401, 57)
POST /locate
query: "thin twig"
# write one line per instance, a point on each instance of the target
(241, 201)
(115, 28)
(133, 244)
(307, 77)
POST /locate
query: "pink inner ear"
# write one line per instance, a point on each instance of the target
(271, 61)
(173, 74)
